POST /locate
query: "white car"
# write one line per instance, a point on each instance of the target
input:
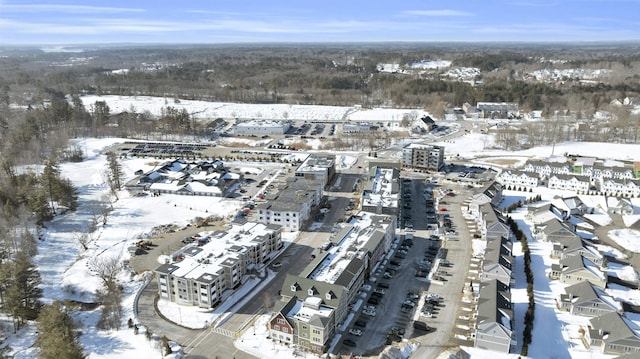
(356, 332)
(369, 307)
(370, 313)
(379, 291)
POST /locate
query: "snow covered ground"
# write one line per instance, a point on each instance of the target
(66, 270)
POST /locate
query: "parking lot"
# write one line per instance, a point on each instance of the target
(419, 281)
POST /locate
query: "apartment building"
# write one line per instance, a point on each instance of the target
(198, 275)
(429, 157)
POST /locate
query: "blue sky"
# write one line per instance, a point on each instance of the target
(231, 21)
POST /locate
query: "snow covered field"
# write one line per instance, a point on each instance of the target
(67, 270)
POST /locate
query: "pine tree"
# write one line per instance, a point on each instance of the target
(50, 178)
(22, 294)
(114, 174)
(56, 334)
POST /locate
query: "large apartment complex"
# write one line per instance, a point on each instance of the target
(429, 157)
(200, 273)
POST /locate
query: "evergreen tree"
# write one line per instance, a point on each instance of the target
(50, 178)
(114, 174)
(56, 334)
(22, 294)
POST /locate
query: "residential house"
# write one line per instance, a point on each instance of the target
(619, 206)
(518, 180)
(492, 224)
(494, 322)
(586, 300)
(576, 246)
(574, 205)
(574, 183)
(575, 269)
(543, 213)
(622, 188)
(490, 193)
(553, 231)
(545, 169)
(498, 261)
(613, 334)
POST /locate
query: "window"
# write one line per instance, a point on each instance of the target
(285, 329)
(276, 327)
(316, 331)
(280, 321)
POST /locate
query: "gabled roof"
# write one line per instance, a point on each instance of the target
(585, 292)
(494, 306)
(615, 328)
(303, 284)
(579, 263)
(557, 229)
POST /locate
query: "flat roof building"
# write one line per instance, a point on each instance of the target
(198, 274)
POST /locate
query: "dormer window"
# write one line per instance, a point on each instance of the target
(312, 291)
(295, 287)
(328, 296)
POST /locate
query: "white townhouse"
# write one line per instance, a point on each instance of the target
(624, 188)
(518, 180)
(569, 182)
(546, 169)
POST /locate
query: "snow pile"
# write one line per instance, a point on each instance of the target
(624, 272)
(628, 239)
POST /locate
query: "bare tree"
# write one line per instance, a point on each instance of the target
(107, 268)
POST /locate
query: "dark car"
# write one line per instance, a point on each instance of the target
(360, 323)
(349, 342)
(373, 300)
(384, 285)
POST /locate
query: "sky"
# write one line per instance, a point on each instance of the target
(62, 22)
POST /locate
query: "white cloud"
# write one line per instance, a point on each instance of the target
(444, 12)
(75, 9)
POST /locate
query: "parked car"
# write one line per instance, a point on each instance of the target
(379, 291)
(360, 323)
(373, 300)
(370, 313)
(349, 342)
(369, 307)
(397, 330)
(383, 285)
(356, 332)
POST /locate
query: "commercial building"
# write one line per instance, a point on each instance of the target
(381, 193)
(262, 127)
(291, 206)
(318, 167)
(316, 300)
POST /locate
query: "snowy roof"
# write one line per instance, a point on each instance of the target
(349, 246)
(223, 248)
